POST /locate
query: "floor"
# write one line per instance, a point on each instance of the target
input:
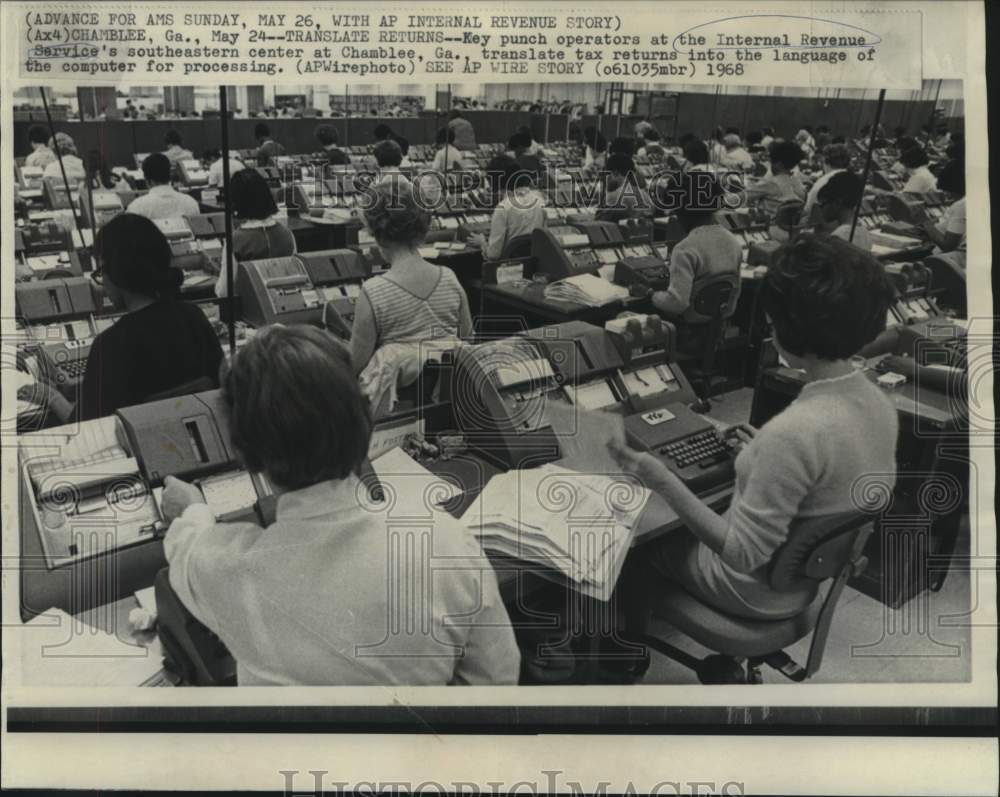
(928, 639)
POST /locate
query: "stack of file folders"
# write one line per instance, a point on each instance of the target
(577, 524)
(588, 289)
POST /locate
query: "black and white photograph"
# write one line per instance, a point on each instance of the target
(506, 406)
(500, 384)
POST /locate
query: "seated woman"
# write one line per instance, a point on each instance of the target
(624, 197)
(783, 185)
(650, 146)
(696, 156)
(948, 234)
(160, 343)
(519, 146)
(825, 299)
(519, 211)
(448, 158)
(595, 149)
(838, 200)
(533, 148)
(213, 157)
(259, 233)
(309, 600)
(331, 153)
(67, 160)
(706, 250)
(406, 316)
(919, 179)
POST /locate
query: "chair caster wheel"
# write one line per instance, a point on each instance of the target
(719, 669)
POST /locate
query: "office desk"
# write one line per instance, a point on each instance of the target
(918, 251)
(516, 579)
(467, 263)
(113, 618)
(473, 474)
(311, 235)
(526, 302)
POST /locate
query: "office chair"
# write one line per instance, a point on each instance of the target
(787, 217)
(818, 550)
(57, 274)
(191, 652)
(517, 247)
(948, 277)
(713, 300)
(421, 391)
(199, 385)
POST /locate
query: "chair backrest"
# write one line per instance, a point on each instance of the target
(199, 385)
(817, 549)
(948, 277)
(715, 297)
(787, 215)
(517, 247)
(191, 651)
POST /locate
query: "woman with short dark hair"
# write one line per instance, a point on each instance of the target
(332, 154)
(259, 233)
(623, 195)
(40, 156)
(448, 158)
(310, 599)
(825, 300)
(160, 342)
(175, 151)
(401, 312)
(595, 147)
(707, 249)
(919, 179)
(519, 211)
(267, 148)
(949, 232)
(783, 184)
(838, 201)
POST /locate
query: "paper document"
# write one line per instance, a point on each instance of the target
(579, 525)
(410, 488)
(58, 650)
(147, 599)
(588, 289)
(584, 437)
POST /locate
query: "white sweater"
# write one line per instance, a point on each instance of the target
(803, 463)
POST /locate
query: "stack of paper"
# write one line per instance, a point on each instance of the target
(588, 289)
(410, 489)
(891, 242)
(59, 650)
(577, 524)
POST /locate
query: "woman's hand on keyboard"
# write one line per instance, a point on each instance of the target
(738, 437)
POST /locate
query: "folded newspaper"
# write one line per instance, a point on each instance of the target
(577, 524)
(587, 289)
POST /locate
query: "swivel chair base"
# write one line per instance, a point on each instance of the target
(718, 668)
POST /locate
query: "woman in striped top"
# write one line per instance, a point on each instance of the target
(404, 314)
